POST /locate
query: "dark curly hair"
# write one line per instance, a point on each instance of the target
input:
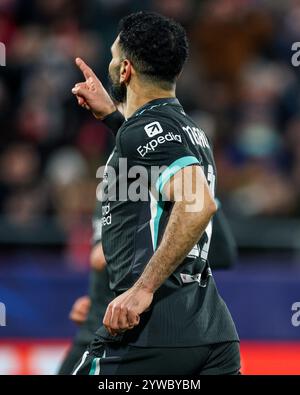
(157, 46)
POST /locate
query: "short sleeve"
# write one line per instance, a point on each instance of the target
(153, 144)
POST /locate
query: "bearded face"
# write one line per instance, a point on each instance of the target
(117, 90)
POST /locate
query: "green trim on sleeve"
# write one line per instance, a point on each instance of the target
(171, 170)
(156, 223)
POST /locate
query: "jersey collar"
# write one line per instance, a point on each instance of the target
(154, 103)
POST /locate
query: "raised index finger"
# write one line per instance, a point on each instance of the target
(86, 70)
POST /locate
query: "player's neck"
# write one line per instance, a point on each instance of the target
(137, 98)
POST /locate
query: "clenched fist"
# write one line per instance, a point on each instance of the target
(123, 312)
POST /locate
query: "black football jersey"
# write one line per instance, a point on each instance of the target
(151, 146)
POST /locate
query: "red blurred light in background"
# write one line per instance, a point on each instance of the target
(44, 356)
(270, 358)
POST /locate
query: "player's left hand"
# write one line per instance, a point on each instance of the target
(80, 310)
(123, 312)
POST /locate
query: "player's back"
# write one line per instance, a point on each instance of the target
(161, 135)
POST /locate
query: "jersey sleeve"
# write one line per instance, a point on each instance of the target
(223, 249)
(114, 121)
(154, 144)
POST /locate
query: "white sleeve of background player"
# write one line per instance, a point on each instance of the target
(97, 228)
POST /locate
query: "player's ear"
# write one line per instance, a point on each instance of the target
(125, 71)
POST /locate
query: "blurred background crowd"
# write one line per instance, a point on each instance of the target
(239, 84)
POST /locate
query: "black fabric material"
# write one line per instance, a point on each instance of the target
(114, 121)
(182, 314)
(122, 359)
(72, 357)
(223, 249)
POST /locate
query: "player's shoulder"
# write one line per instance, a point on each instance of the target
(147, 125)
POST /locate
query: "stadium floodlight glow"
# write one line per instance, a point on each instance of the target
(2, 54)
(2, 314)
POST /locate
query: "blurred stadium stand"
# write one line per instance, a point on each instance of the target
(243, 90)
